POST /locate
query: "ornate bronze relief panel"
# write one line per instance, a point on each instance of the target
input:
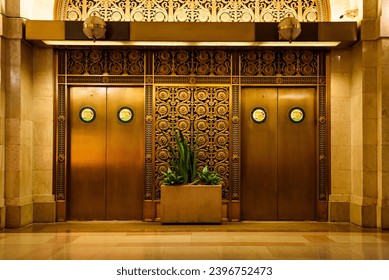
(201, 112)
(279, 63)
(194, 62)
(99, 62)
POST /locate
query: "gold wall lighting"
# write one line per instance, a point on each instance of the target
(94, 28)
(289, 29)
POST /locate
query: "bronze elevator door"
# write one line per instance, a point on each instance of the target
(278, 161)
(106, 154)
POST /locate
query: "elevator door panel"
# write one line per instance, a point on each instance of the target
(106, 154)
(296, 155)
(87, 172)
(258, 150)
(125, 153)
(278, 176)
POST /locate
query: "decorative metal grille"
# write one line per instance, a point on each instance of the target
(195, 62)
(284, 63)
(149, 142)
(194, 10)
(106, 61)
(61, 144)
(201, 112)
(323, 143)
(235, 144)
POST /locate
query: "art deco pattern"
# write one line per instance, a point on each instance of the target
(103, 61)
(193, 10)
(199, 112)
(274, 62)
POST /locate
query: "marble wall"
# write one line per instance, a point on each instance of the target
(42, 142)
(383, 131)
(340, 96)
(26, 125)
(365, 80)
(18, 130)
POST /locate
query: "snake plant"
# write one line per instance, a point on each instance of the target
(183, 162)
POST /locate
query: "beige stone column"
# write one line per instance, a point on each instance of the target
(369, 180)
(26, 125)
(342, 64)
(383, 117)
(18, 121)
(364, 137)
(42, 114)
(364, 127)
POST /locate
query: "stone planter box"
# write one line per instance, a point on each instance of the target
(191, 204)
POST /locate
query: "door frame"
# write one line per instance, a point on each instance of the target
(115, 144)
(271, 125)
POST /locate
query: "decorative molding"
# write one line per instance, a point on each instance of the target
(323, 145)
(61, 144)
(105, 61)
(149, 170)
(192, 62)
(283, 63)
(194, 10)
(235, 138)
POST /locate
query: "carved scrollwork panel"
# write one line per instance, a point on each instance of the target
(199, 112)
(194, 10)
(105, 61)
(283, 62)
(195, 62)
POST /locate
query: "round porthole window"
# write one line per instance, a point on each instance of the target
(125, 114)
(87, 114)
(296, 114)
(259, 115)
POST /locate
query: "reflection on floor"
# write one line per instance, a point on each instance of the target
(244, 240)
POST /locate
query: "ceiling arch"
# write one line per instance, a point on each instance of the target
(194, 10)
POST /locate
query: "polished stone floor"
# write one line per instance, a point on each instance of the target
(153, 241)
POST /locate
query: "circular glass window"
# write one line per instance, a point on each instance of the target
(259, 115)
(296, 114)
(125, 114)
(87, 114)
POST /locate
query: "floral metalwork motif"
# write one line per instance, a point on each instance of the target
(284, 62)
(194, 10)
(105, 61)
(305, 10)
(199, 62)
(200, 112)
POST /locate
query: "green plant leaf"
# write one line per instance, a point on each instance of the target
(209, 177)
(183, 160)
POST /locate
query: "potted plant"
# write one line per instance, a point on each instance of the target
(189, 196)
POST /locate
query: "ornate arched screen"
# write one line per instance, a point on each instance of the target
(194, 10)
